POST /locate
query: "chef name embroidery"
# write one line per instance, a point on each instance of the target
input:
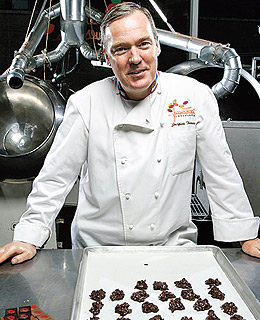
(182, 113)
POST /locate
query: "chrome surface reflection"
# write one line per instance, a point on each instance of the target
(29, 118)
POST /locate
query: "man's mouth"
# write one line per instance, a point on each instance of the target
(136, 72)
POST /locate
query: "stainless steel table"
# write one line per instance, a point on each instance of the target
(50, 278)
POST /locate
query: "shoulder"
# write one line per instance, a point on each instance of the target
(96, 89)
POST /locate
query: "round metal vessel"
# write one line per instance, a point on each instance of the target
(29, 118)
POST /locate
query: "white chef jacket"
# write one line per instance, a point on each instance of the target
(136, 167)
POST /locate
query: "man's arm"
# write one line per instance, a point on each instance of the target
(18, 250)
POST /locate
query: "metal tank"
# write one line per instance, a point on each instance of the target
(29, 119)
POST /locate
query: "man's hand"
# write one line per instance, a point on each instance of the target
(20, 251)
(251, 247)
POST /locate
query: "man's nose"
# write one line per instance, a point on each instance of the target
(135, 57)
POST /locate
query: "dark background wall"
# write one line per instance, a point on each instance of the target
(225, 21)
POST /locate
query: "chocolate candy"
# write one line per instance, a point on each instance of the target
(216, 293)
(212, 315)
(236, 317)
(157, 317)
(141, 285)
(123, 309)
(148, 307)
(159, 285)
(12, 311)
(97, 295)
(117, 295)
(139, 296)
(96, 307)
(212, 282)
(229, 308)
(10, 317)
(189, 294)
(183, 283)
(201, 305)
(166, 295)
(176, 304)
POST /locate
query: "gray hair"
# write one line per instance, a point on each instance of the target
(121, 10)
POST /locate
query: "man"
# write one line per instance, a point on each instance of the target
(134, 138)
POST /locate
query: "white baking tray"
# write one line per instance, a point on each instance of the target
(111, 268)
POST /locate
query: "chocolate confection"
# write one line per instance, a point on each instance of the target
(216, 293)
(157, 317)
(166, 295)
(186, 318)
(236, 317)
(10, 317)
(139, 296)
(229, 308)
(212, 282)
(24, 316)
(117, 295)
(183, 283)
(159, 285)
(201, 305)
(123, 318)
(94, 318)
(189, 294)
(123, 309)
(141, 285)
(97, 295)
(96, 307)
(26, 309)
(148, 307)
(176, 304)
(212, 315)
(12, 311)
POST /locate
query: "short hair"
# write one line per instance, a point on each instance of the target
(120, 10)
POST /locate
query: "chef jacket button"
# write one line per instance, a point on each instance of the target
(152, 226)
(127, 196)
(131, 226)
(161, 124)
(123, 161)
(156, 195)
(159, 160)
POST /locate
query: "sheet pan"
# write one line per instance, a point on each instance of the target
(111, 268)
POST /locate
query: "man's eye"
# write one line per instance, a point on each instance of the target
(145, 44)
(120, 50)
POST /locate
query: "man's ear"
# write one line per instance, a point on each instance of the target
(158, 46)
(107, 58)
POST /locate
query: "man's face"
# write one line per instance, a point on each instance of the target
(132, 52)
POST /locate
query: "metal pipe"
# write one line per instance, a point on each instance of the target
(20, 62)
(94, 14)
(73, 30)
(210, 53)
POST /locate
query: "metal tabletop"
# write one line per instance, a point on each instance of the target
(50, 278)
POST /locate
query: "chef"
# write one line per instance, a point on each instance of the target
(133, 139)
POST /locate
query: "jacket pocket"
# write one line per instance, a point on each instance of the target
(182, 149)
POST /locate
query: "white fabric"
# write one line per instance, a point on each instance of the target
(136, 167)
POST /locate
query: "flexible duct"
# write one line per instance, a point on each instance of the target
(73, 30)
(15, 76)
(209, 53)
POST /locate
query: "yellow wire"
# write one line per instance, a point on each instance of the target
(34, 7)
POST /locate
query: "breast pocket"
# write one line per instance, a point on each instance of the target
(182, 149)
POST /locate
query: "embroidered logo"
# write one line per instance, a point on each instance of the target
(177, 110)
